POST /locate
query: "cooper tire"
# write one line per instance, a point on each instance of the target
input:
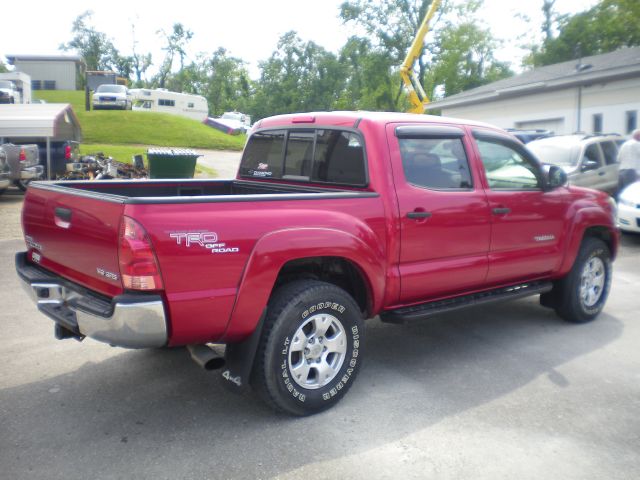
(311, 348)
(581, 295)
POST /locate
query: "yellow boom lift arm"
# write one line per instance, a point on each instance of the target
(417, 95)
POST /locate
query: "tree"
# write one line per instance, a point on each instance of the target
(176, 42)
(464, 60)
(140, 62)
(456, 56)
(370, 83)
(299, 76)
(607, 26)
(93, 46)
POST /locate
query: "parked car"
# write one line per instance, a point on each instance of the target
(9, 93)
(333, 218)
(589, 160)
(24, 163)
(5, 173)
(629, 208)
(526, 136)
(109, 96)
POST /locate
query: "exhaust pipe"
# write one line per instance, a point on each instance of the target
(206, 357)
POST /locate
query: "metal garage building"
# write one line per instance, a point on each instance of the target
(595, 94)
(49, 72)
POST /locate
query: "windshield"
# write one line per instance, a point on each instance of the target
(554, 154)
(111, 89)
(6, 84)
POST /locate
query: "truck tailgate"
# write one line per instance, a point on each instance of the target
(75, 237)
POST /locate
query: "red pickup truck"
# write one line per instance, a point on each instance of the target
(333, 218)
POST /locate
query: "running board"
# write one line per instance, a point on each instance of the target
(425, 310)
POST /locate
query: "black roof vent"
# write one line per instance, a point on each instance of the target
(581, 67)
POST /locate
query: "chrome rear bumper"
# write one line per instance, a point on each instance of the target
(130, 320)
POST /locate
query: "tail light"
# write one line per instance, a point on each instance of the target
(138, 263)
(23, 155)
(67, 152)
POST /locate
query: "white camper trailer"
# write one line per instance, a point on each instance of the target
(164, 101)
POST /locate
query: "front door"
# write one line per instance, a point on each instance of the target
(444, 216)
(526, 221)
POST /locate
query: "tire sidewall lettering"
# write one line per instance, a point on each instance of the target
(348, 368)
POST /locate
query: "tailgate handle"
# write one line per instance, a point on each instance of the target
(63, 217)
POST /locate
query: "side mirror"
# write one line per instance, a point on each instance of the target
(556, 177)
(588, 165)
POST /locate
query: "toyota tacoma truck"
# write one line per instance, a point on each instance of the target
(333, 218)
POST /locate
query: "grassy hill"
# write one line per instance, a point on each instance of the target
(118, 127)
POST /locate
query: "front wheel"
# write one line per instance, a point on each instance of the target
(581, 295)
(311, 348)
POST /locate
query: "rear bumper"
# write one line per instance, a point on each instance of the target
(31, 173)
(130, 320)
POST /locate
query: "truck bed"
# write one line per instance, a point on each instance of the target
(194, 191)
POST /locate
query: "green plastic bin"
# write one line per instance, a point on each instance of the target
(172, 162)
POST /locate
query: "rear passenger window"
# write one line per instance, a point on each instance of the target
(438, 163)
(339, 158)
(610, 151)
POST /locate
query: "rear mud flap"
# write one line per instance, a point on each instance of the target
(239, 359)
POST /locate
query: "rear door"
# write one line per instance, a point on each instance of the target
(526, 221)
(444, 216)
(75, 236)
(611, 166)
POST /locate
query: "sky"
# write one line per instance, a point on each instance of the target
(248, 29)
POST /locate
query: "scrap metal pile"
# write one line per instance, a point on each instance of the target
(99, 167)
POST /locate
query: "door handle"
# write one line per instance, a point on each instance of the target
(418, 215)
(601, 174)
(501, 211)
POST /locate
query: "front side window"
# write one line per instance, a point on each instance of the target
(506, 167)
(437, 163)
(592, 157)
(311, 155)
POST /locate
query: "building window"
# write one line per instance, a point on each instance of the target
(49, 85)
(36, 85)
(190, 105)
(597, 123)
(632, 120)
(166, 103)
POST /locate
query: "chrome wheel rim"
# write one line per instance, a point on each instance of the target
(317, 352)
(592, 281)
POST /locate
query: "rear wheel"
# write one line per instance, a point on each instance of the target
(311, 348)
(581, 295)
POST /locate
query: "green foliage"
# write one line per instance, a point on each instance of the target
(609, 25)
(95, 47)
(146, 128)
(456, 56)
(464, 60)
(298, 77)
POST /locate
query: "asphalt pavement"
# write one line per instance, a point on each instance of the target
(504, 391)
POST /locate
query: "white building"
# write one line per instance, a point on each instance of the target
(49, 72)
(595, 94)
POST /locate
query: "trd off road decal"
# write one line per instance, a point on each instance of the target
(208, 240)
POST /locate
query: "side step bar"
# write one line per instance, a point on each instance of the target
(425, 310)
